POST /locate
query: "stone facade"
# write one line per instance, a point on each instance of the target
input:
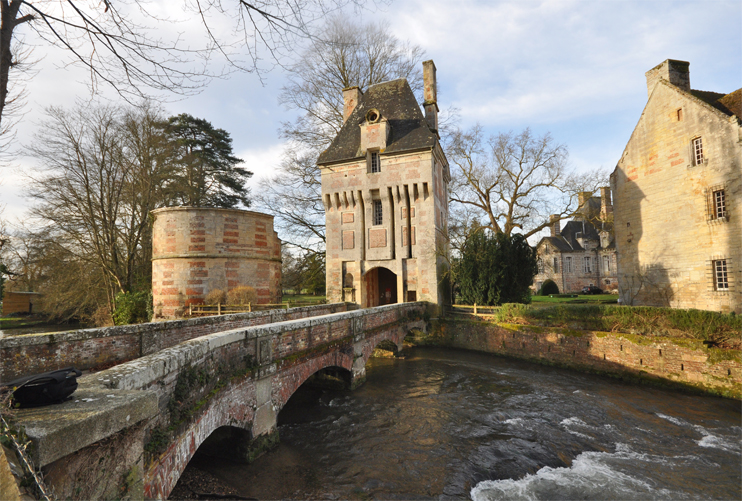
(584, 251)
(385, 191)
(678, 197)
(196, 250)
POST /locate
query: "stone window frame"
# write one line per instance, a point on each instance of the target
(540, 264)
(556, 265)
(607, 264)
(697, 155)
(568, 264)
(378, 216)
(717, 203)
(587, 262)
(720, 271)
(374, 161)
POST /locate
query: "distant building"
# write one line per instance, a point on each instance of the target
(21, 302)
(678, 197)
(385, 191)
(583, 252)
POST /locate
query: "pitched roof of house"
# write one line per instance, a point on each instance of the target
(397, 104)
(729, 104)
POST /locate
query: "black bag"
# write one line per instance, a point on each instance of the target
(44, 389)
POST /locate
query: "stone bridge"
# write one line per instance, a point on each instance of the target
(130, 430)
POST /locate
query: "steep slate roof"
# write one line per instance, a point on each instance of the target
(397, 104)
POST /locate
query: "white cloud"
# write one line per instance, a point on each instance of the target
(262, 162)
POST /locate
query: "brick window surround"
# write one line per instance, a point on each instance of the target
(721, 276)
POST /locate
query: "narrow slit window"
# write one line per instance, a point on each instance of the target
(680, 114)
(721, 278)
(697, 151)
(375, 162)
(378, 213)
(556, 265)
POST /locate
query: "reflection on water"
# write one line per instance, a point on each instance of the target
(453, 425)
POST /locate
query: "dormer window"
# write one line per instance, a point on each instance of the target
(375, 161)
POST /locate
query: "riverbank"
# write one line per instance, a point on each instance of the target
(668, 361)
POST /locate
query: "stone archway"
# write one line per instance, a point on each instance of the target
(381, 287)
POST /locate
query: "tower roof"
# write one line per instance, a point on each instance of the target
(397, 104)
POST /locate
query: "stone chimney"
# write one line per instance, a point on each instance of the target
(554, 225)
(430, 94)
(675, 72)
(606, 207)
(351, 97)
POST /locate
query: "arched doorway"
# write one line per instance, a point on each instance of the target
(381, 287)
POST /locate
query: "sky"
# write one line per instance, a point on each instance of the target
(574, 68)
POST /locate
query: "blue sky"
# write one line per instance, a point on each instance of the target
(574, 68)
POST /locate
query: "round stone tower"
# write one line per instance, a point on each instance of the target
(196, 250)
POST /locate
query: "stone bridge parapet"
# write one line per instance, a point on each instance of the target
(106, 346)
(131, 429)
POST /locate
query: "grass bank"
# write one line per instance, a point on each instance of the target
(713, 329)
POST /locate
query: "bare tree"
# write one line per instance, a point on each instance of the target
(120, 44)
(342, 55)
(104, 169)
(513, 181)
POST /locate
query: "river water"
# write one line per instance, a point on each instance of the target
(456, 425)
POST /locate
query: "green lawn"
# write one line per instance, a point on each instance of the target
(579, 298)
(18, 322)
(303, 298)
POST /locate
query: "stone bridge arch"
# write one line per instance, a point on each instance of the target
(239, 380)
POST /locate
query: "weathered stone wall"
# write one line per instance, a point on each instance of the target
(106, 346)
(665, 236)
(196, 250)
(624, 355)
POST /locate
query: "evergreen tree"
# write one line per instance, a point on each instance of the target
(495, 268)
(207, 172)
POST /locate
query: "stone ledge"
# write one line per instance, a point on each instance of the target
(91, 415)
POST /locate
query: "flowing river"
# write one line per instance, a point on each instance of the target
(457, 425)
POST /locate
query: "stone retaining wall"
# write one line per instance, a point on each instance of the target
(107, 346)
(664, 360)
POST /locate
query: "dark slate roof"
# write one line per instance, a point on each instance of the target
(729, 104)
(558, 243)
(570, 230)
(396, 102)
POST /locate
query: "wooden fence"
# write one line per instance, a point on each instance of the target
(473, 310)
(206, 310)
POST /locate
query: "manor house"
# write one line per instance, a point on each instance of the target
(584, 251)
(678, 197)
(385, 192)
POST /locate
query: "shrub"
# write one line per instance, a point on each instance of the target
(495, 269)
(132, 307)
(549, 287)
(242, 295)
(216, 296)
